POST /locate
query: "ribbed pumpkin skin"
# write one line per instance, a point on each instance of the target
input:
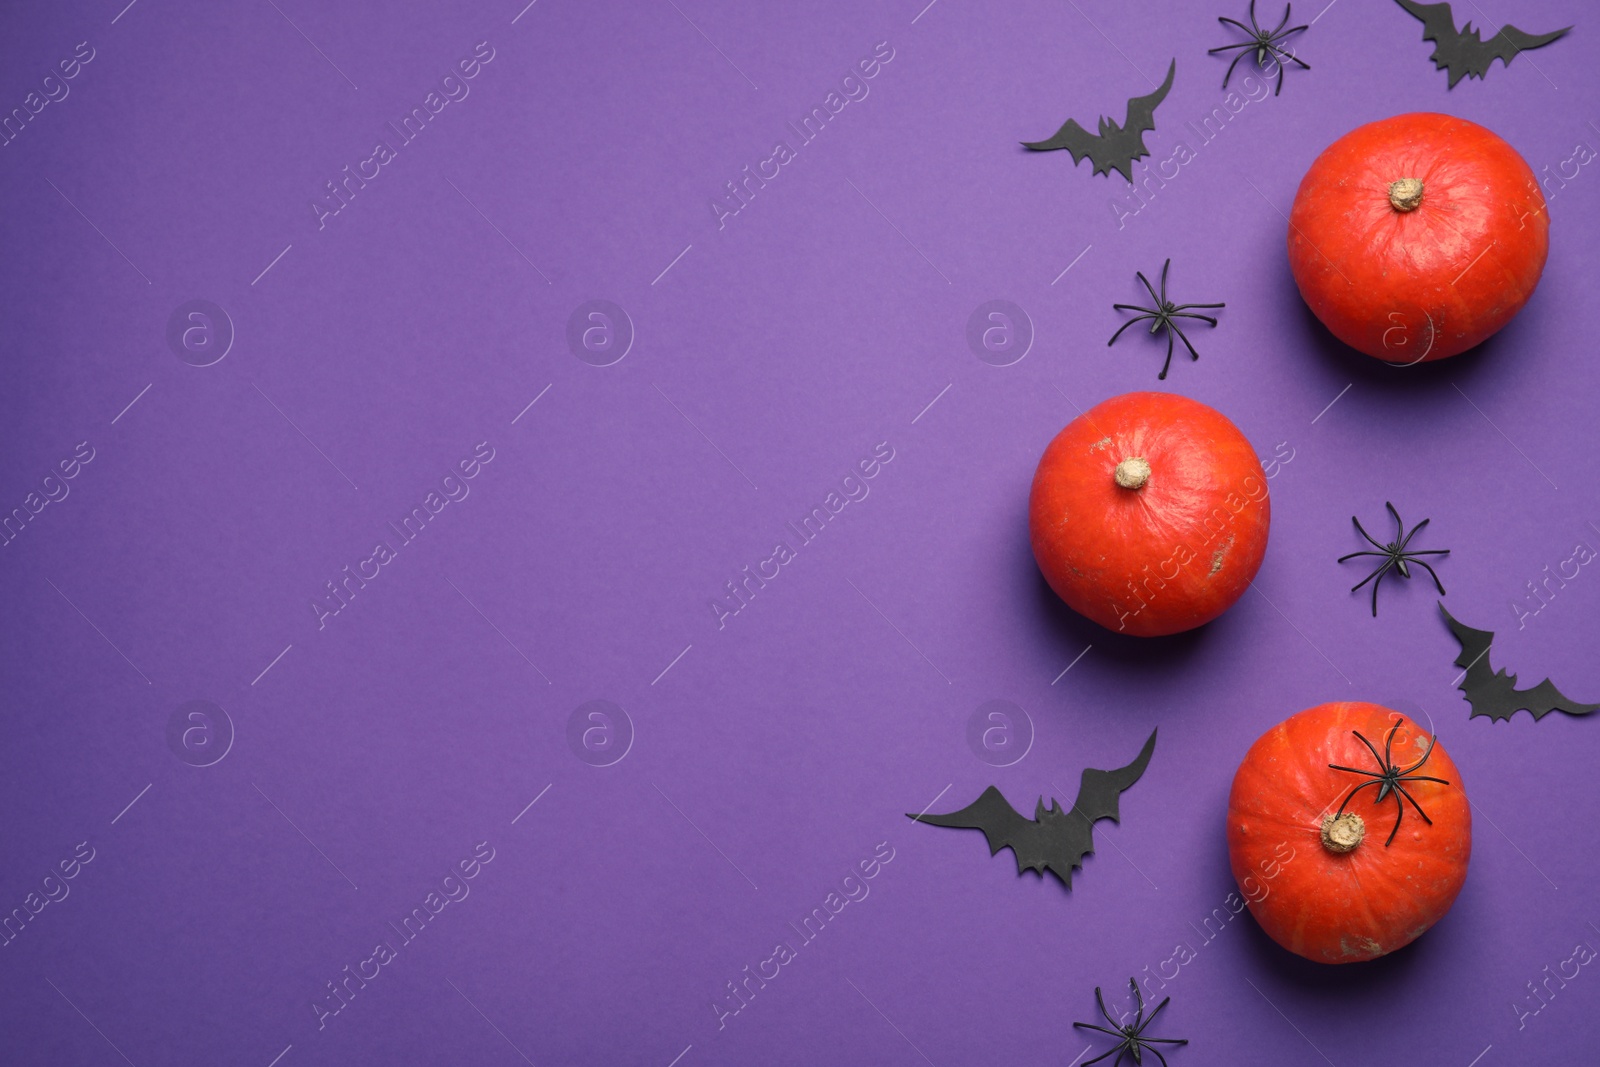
(1344, 908)
(1165, 558)
(1425, 284)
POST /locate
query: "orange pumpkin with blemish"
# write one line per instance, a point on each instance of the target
(1334, 864)
(1149, 514)
(1417, 237)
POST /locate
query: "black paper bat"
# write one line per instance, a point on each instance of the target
(1053, 840)
(1494, 693)
(1115, 147)
(1462, 52)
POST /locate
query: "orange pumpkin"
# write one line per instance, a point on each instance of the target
(1339, 860)
(1417, 237)
(1149, 514)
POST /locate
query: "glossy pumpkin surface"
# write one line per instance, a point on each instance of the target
(1410, 278)
(1169, 553)
(1346, 906)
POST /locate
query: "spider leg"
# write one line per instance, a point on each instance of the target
(1164, 267)
(1138, 1019)
(1183, 337)
(1406, 540)
(1192, 315)
(1388, 744)
(1399, 527)
(1353, 555)
(1235, 63)
(1421, 778)
(1401, 790)
(1234, 22)
(1354, 770)
(1185, 307)
(1103, 1030)
(1124, 326)
(1254, 25)
(1153, 1015)
(1160, 301)
(1229, 47)
(1286, 9)
(1401, 814)
(1097, 1059)
(1351, 795)
(1157, 1054)
(1383, 570)
(1429, 569)
(1168, 364)
(1370, 748)
(1374, 574)
(1368, 536)
(1279, 89)
(1290, 56)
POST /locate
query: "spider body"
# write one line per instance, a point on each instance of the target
(1131, 1039)
(1162, 315)
(1395, 555)
(1390, 779)
(1264, 43)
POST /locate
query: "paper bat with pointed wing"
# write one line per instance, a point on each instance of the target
(1494, 693)
(1462, 52)
(1053, 840)
(1115, 147)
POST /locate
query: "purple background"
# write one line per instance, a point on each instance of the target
(772, 754)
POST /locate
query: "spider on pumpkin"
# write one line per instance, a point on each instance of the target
(1395, 555)
(1265, 43)
(1390, 778)
(1132, 1039)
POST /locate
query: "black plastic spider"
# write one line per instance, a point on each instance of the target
(1389, 779)
(1395, 555)
(1265, 43)
(1132, 1035)
(1161, 316)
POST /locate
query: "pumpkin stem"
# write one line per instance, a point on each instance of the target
(1405, 194)
(1133, 472)
(1342, 832)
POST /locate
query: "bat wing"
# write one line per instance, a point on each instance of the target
(1505, 45)
(1071, 136)
(1099, 792)
(1541, 700)
(1438, 24)
(1494, 694)
(1120, 146)
(1002, 825)
(1474, 652)
(1454, 51)
(1142, 109)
